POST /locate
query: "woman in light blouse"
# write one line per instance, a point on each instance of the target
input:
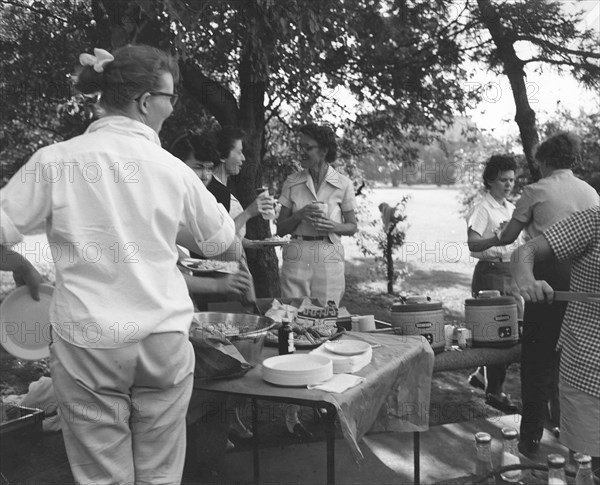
(313, 264)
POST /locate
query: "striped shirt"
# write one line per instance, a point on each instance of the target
(578, 238)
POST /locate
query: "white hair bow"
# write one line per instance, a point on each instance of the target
(97, 61)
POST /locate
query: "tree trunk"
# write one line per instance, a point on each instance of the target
(389, 263)
(263, 263)
(513, 68)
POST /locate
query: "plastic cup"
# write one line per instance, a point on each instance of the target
(366, 323)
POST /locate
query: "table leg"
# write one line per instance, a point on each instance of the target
(255, 455)
(417, 457)
(329, 425)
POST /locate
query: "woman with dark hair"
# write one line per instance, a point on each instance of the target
(555, 197)
(198, 151)
(313, 264)
(317, 207)
(492, 271)
(121, 361)
(214, 157)
(229, 144)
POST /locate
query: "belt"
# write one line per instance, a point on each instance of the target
(310, 238)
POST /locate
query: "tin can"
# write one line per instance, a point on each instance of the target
(270, 214)
(464, 337)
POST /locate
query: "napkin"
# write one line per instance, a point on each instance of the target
(348, 364)
(338, 383)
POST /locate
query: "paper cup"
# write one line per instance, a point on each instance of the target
(322, 207)
(366, 323)
(448, 336)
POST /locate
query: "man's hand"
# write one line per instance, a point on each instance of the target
(237, 284)
(537, 291)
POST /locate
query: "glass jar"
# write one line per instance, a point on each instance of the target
(285, 338)
(483, 464)
(556, 470)
(510, 455)
(584, 469)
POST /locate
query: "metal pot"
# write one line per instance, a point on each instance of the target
(247, 332)
(420, 316)
(492, 320)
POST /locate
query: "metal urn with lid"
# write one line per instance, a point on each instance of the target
(492, 319)
(418, 315)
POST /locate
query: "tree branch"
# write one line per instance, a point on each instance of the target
(218, 100)
(557, 47)
(34, 10)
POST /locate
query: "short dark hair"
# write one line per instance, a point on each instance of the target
(559, 151)
(324, 136)
(496, 165)
(200, 145)
(226, 137)
(135, 69)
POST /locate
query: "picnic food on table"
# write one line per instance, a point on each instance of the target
(312, 325)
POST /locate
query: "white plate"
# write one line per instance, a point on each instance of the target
(297, 369)
(271, 242)
(25, 323)
(347, 347)
(209, 266)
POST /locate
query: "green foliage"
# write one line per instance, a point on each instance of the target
(40, 45)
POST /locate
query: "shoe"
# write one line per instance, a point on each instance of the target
(556, 432)
(229, 446)
(301, 432)
(529, 448)
(501, 402)
(477, 380)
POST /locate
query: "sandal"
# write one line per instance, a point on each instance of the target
(477, 380)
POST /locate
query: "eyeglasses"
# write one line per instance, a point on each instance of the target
(173, 97)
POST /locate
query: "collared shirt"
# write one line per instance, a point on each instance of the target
(336, 191)
(578, 238)
(553, 198)
(484, 218)
(112, 202)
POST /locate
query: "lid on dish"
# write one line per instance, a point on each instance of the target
(418, 303)
(497, 301)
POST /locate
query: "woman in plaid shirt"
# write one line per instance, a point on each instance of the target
(576, 238)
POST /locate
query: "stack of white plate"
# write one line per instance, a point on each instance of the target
(297, 369)
(347, 356)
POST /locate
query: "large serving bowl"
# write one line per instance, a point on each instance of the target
(247, 332)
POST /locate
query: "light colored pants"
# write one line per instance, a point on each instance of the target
(315, 269)
(124, 409)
